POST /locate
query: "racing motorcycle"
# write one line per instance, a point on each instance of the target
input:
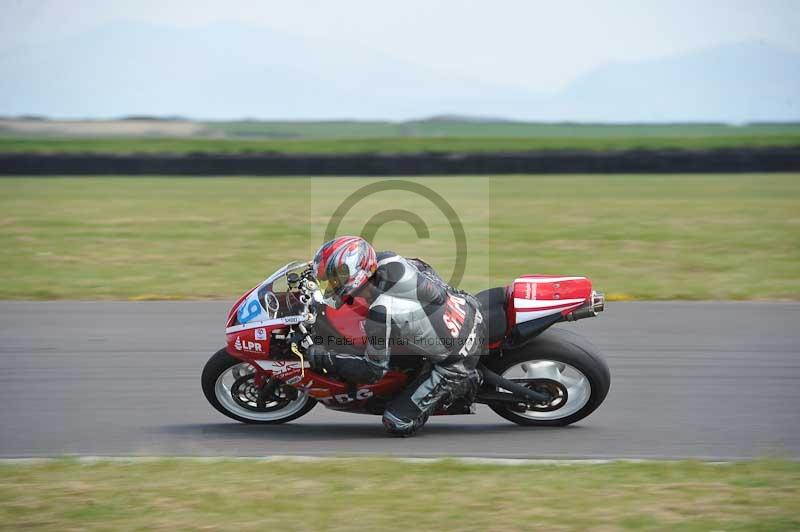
(531, 374)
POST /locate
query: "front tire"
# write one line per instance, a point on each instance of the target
(229, 388)
(563, 363)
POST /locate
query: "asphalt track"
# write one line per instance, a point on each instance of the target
(700, 380)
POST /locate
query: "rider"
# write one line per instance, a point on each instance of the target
(409, 305)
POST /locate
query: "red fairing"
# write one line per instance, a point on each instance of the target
(349, 320)
(511, 316)
(252, 343)
(536, 296)
(235, 307)
(336, 394)
(552, 287)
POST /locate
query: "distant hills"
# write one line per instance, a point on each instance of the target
(230, 71)
(737, 83)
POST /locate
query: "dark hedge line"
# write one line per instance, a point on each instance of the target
(550, 162)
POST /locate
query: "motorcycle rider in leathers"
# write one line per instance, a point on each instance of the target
(409, 305)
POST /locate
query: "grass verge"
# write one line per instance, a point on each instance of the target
(387, 145)
(378, 494)
(638, 237)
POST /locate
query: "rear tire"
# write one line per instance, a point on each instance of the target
(562, 359)
(217, 374)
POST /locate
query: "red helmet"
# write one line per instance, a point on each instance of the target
(342, 266)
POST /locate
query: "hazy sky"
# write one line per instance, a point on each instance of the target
(488, 40)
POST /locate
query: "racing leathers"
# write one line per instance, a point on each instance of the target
(412, 307)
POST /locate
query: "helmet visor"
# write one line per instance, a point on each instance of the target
(333, 287)
(329, 287)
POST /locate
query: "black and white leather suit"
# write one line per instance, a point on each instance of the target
(415, 313)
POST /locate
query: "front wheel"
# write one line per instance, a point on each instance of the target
(229, 385)
(563, 364)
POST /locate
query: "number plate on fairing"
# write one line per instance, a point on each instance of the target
(251, 309)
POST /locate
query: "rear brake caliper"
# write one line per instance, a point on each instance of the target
(556, 391)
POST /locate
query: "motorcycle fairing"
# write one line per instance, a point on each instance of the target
(348, 320)
(251, 325)
(336, 394)
(532, 297)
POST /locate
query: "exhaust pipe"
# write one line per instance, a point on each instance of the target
(589, 310)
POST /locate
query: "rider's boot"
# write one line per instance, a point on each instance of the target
(409, 411)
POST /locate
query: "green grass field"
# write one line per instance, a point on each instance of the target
(643, 237)
(433, 135)
(385, 145)
(444, 127)
(373, 494)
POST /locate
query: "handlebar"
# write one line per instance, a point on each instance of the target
(309, 292)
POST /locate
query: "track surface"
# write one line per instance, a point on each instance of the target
(703, 380)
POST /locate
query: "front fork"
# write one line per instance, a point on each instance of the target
(266, 386)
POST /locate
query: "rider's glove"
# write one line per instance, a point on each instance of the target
(321, 358)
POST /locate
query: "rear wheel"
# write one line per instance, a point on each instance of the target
(563, 364)
(229, 385)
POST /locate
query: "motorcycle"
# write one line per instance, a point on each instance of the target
(532, 375)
